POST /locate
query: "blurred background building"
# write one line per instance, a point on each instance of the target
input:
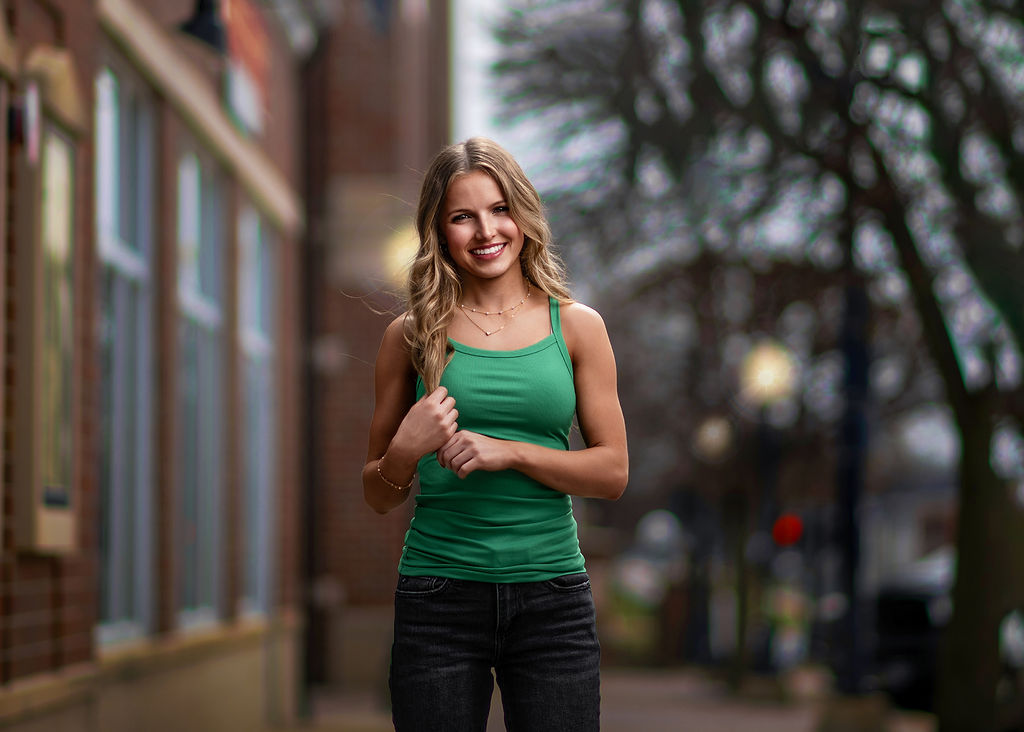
(153, 229)
(377, 103)
(207, 208)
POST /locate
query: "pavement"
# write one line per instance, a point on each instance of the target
(670, 701)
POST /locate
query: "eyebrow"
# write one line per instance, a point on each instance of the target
(499, 202)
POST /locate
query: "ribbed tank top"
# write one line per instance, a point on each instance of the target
(500, 526)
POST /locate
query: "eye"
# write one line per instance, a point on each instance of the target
(501, 209)
(459, 217)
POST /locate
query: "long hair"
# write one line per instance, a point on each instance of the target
(434, 288)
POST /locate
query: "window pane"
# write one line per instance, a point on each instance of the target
(200, 467)
(107, 156)
(121, 480)
(248, 261)
(255, 288)
(127, 174)
(211, 240)
(267, 289)
(201, 241)
(57, 212)
(108, 430)
(188, 224)
(258, 483)
(142, 181)
(124, 170)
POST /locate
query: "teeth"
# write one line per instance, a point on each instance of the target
(489, 250)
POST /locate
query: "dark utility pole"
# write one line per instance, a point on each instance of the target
(850, 475)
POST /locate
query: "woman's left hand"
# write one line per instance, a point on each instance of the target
(467, 451)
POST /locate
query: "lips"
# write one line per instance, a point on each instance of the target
(489, 251)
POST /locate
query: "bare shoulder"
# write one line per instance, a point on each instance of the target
(393, 342)
(581, 320)
(396, 328)
(583, 328)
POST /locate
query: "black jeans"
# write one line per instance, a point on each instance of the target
(539, 637)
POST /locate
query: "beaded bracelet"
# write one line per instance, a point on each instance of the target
(396, 486)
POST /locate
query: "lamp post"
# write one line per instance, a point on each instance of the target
(853, 439)
(768, 376)
(713, 443)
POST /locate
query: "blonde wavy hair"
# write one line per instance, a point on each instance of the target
(434, 287)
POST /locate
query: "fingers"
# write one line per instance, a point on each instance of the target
(446, 451)
(460, 454)
(446, 403)
(451, 449)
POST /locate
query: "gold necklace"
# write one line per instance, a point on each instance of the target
(513, 310)
(503, 310)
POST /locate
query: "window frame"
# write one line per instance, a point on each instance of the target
(46, 516)
(202, 317)
(129, 578)
(257, 248)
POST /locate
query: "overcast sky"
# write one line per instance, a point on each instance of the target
(474, 105)
(473, 51)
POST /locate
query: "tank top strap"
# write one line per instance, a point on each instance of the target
(556, 329)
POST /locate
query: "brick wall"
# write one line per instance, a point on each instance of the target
(48, 605)
(376, 106)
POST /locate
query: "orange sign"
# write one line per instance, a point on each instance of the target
(248, 47)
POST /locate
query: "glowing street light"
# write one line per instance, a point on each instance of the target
(768, 373)
(399, 251)
(713, 439)
(768, 376)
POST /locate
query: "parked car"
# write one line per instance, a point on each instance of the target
(912, 608)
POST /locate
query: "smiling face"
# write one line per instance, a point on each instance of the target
(483, 240)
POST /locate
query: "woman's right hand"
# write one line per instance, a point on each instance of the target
(403, 429)
(428, 425)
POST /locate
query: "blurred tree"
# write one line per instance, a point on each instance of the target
(710, 152)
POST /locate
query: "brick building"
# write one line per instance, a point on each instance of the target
(150, 271)
(377, 111)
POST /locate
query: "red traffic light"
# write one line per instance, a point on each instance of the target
(788, 529)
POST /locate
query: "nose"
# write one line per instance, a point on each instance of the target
(485, 229)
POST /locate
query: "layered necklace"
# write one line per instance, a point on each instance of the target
(511, 312)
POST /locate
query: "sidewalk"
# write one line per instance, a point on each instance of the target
(641, 701)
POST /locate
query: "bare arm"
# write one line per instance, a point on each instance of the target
(601, 469)
(402, 429)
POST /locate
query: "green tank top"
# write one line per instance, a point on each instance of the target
(500, 526)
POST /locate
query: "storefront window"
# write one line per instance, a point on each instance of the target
(124, 180)
(256, 308)
(200, 437)
(57, 332)
(44, 216)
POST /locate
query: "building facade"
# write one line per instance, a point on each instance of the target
(153, 228)
(377, 103)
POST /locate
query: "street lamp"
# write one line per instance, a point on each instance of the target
(713, 438)
(768, 374)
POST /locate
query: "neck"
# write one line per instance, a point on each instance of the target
(493, 294)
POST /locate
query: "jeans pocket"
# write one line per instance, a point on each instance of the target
(420, 586)
(570, 582)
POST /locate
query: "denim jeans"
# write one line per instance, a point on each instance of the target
(539, 637)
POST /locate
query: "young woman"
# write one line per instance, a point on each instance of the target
(476, 387)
